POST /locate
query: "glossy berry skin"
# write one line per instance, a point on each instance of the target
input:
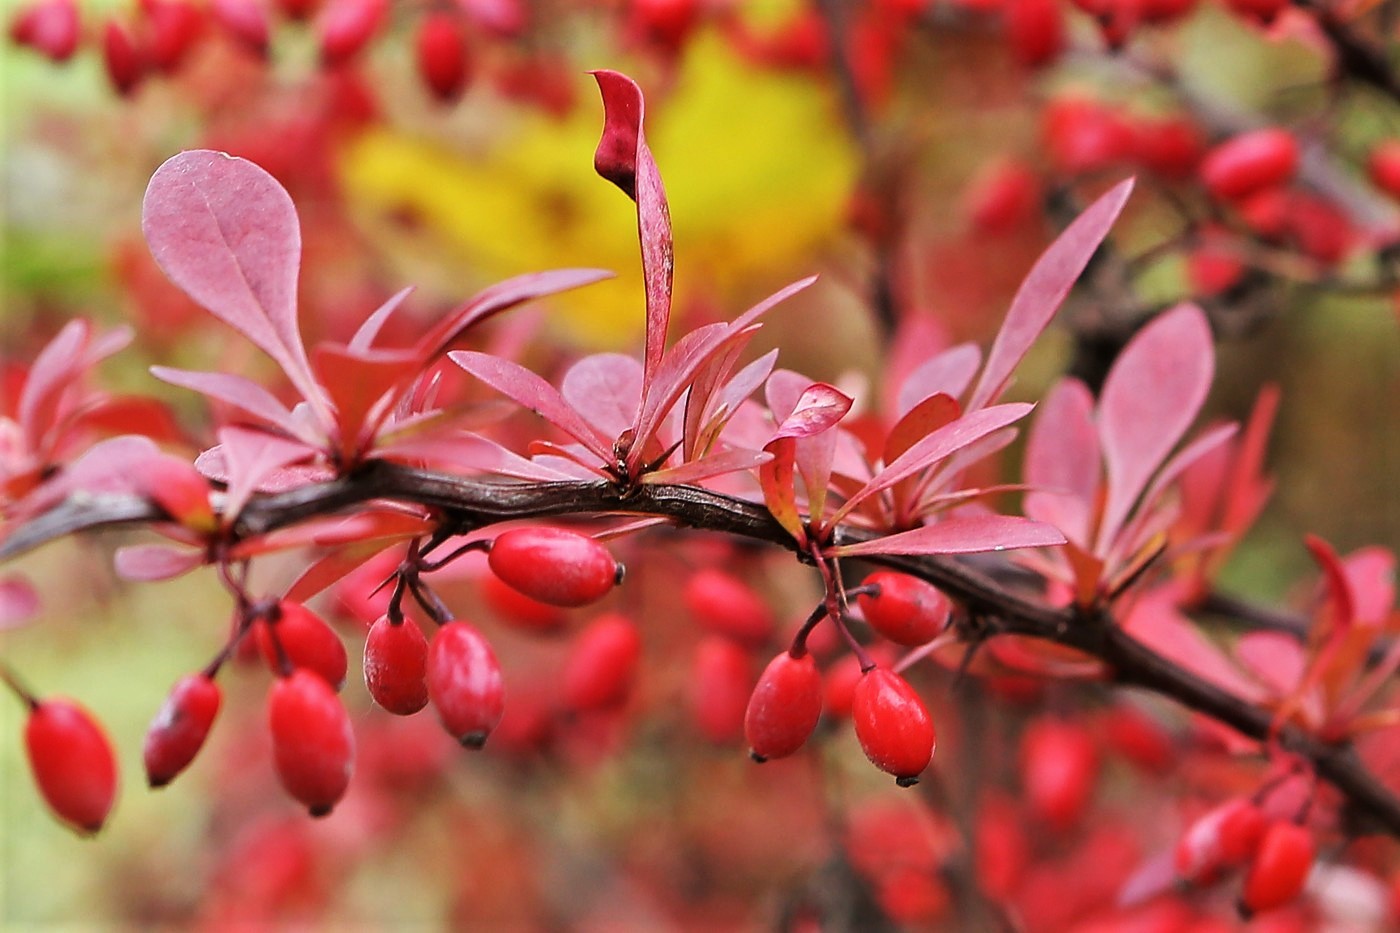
(725, 605)
(721, 679)
(1059, 768)
(1280, 868)
(602, 664)
(313, 745)
(554, 565)
(784, 707)
(1250, 163)
(907, 610)
(893, 725)
(1223, 838)
(72, 763)
(178, 732)
(306, 640)
(441, 50)
(396, 666)
(465, 683)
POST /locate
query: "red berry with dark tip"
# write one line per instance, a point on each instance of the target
(178, 732)
(396, 666)
(1249, 163)
(554, 565)
(465, 683)
(313, 745)
(442, 57)
(784, 707)
(306, 641)
(603, 664)
(72, 763)
(906, 610)
(1280, 868)
(893, 725)
(726, 605)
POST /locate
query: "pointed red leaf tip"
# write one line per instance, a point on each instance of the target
(623, 158)
(1044, 289)
(225, 232)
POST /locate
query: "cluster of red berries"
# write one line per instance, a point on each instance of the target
(1276, 855)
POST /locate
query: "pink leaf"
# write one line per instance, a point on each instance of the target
(712, 465)
(226, 233)
(778, 480)
(1371, 573)
(1062, 461)
(527, 389)
(1275, 659)
(357, 383)
(251, 457)
(1044, 289)
(241, 393)
(50, 376)
(711, 403)
(1248, 488)
(146, 563)
(963, 534)
(949, 373)
(623, 158)
(606, 389)
(935, 447)
(467, 452)
(19, 602)
(1156, 623)
(1151, 396)
(364, 336)
(501, 297)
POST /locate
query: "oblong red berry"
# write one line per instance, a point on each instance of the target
(246, 21)
(1059, 768)
(784, 707)
(1223, 838)
(345, 27)
(1250, 162)
(726, 605)
(180, 727)
(603, 664)
(50, 27)
(465, 683)
(518, 610)
(907, 610)
(126, 66)
(1280, 867)
(396, 666)
(441, 48)
(721, 678)
(306, 640)
(554, 565)
(893, 725)
(72, 763)
(313, 745)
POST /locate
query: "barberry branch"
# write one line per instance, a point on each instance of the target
(465, 503)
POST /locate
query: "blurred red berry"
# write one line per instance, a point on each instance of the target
(721, 679)
(126, 66)
(1035, 31)
(1383, 165)
(305, 640)
(1059, 768)
(602, 664)
(722, 603)
(1170, 146)
(345, 27)
(444, 63)
(246, 21)
(172, 29)
(50, 27)
(1249, 163)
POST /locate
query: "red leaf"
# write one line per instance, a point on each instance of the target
(1151, 396)
(1248, 488)
(469, 452)
(711, 465)
(778, 480)
(964, 534)
(1337, 587)
(606, 389)
(146, 563)
(1062, 461)
(357, 382)
(226, 233)
(1155, 622)
(623, 158)
(1275, 659)
(948, 373)
(709, 406)
(1043, 290)
(365, 334)
(251, 457)
(527, 389)
(241, 393)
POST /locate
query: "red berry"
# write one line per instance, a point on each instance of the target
(312, 743)
(172, 28)
(345, 27)
(245, 21)
(602, 664)
(722, 603)
(396, 666)
(843, 676)
(1001, 848)
(784, 707)
(1280, 868)
(1171, 146)
(721, 680)
(443, 63)
(519, 610)
(306, 641)
(465, 683)
(126, 66)
(1383, 165)
(178, 732)
(1084, 135)
(666, 23)
(50, 27)
(1139, 738)
(1213, 267)
(1225, 837)
(1059, 767)
(907, 610)
(1002, 198)
(1249, 163)
(1262, 12)
(554, 565)
(72, 763)
(1035, 31)
(893, 725)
